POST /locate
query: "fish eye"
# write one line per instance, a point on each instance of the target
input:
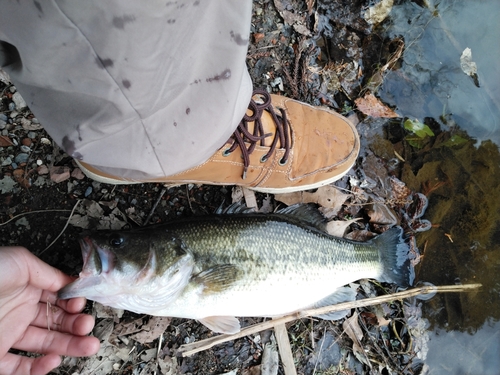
(116, 240)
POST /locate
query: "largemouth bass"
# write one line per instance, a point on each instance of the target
(215, 268)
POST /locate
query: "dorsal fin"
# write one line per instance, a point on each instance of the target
(307, 213)
(235, 208)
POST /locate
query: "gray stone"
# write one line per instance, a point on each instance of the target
(19, 101)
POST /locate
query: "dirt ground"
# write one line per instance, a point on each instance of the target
(322, 52)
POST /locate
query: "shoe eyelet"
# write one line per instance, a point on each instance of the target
(264, 158)
(283, 162)
(226, 152)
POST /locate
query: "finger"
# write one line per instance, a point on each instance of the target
(28, 268)
(19, 365)
(72, 305)
(39, 340)
(57, 319)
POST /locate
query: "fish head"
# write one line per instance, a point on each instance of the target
(121, 268)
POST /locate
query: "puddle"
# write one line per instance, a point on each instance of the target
(459, 170)
(431, 82)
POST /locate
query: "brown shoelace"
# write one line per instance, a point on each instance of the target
(243, 137)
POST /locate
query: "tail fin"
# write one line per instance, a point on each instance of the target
(394, 254)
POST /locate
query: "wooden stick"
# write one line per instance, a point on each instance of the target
(285, 349)
(195, 347)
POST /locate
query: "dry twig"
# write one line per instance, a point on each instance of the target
(190, 349)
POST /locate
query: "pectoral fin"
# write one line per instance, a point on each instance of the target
(344, 294)
(222, 324)
(218, 278)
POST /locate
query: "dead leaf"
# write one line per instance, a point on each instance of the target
(102, 363)
(325, 196)
(353, 330)
(468, 66)
(359, 235)
(237, 194)
(337, 228)
(101, 311)
(5, 141)
(270, 360)
(123, 329)
(371, 106)
(310, 5)
(267, 205)
(103, 329)
(250, 199)
(168, 365)
(152, 330)
(382, 214)
(79, 221)
(294, 19)
(377, 13)
(148, 354)
(22, 178)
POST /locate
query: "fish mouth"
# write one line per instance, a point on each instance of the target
(81, 287)
(94, 264)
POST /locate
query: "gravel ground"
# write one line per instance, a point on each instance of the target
(323, 53)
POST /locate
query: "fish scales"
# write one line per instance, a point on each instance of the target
(213, 268)
(272, 245)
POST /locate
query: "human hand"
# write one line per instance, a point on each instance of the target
(33, 320)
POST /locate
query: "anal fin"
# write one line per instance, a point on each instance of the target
(344, 294)
(221, 324)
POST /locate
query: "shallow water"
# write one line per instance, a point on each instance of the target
(431, 82)
(462, 180)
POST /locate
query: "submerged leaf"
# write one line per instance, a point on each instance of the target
(371, 106)
(419, 129)
(455, 140)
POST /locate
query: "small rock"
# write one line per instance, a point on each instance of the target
(18, 101)
(28, 125)
(42, 169)
(7, 184)
(12, 89)
(27, 142)
(25, 149)
(7, 161)
(78, 174)
(34, 120)
(3, 124)
(21, 158)
(45, 141)
(3, 117)
(31, 135)
(12, 107)
(88, 191)
(23, 222)
(59, 174)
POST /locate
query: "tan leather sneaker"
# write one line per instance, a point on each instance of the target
(280, 146)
